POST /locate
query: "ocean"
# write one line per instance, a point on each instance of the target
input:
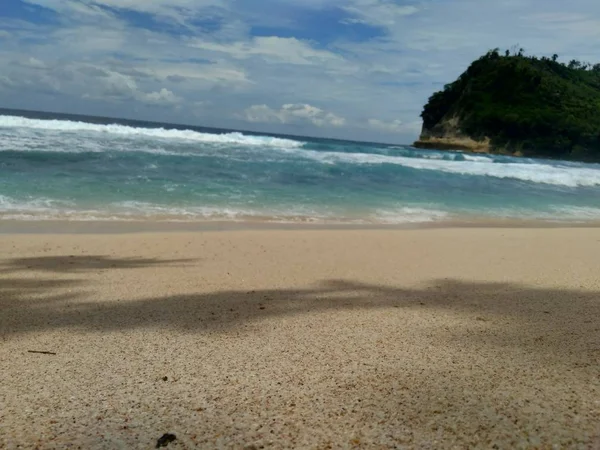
(55, 166)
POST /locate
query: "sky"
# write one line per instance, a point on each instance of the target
(350, 69)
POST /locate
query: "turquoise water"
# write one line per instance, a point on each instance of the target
(91, 168)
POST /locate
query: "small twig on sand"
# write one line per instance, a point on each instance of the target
(43, 353)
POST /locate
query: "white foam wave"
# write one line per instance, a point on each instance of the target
(442, 155)
(531, 172)
(145, 209)
(79, 144)
(553, 213)
(39, 204)
(476, 158)
(583, 213)
(436, 156)
(409, 215)
(51, 209)
(68, 126)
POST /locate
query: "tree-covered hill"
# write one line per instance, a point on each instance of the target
(519, 104)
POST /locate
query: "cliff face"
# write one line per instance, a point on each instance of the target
(447, 135)
(517, 105)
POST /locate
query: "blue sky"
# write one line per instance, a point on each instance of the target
(355, 69)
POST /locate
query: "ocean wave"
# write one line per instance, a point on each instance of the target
(43, 208)
(32, 204)
(551, 213)
(79, 137)
(534, 172)
(406, 214)
(582, 213)
(476, 158)
(51, 209)
(151, 210)
(67, 126)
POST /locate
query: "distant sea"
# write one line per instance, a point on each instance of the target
(55, 166)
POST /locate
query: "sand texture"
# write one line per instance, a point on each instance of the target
(434, 339)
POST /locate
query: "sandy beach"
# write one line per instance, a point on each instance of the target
(316, 339)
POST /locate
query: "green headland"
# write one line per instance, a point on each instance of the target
(521, 105)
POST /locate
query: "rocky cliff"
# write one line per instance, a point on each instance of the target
(447, 135)
(516, 104)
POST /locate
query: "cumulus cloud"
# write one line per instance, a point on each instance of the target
(120, 87)
(293, 113)
(162, 97)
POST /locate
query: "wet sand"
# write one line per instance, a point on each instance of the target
(427, 338)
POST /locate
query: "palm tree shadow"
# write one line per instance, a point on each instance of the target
(555, 326)
(83, 263)
(559, 319)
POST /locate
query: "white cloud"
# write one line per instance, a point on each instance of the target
(83, 10)
(98, 83)
(86, 41)
(293, 113)
(4, 34)
(177, 10)
(35, 63)
(395, 126)
(219, 73)
(384, 13)
(271, 48)
(172, 10)
(576, 24)
(120, 87)
(162, 97)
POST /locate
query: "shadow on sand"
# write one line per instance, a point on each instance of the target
(556, 329)
(77, 264)
(563, 321)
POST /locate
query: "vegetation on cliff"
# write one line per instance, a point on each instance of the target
(522, 104)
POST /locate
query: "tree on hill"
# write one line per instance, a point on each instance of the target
(536, 106)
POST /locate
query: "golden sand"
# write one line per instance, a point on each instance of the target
(440, 338)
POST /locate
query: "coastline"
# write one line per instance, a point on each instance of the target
(101, 227)
(464, 144)
(462, 337)
(453, 144)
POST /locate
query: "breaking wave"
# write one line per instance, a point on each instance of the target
(156, 133)
(559, 175)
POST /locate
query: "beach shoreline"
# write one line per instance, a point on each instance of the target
(445, 337)
(45, 226)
